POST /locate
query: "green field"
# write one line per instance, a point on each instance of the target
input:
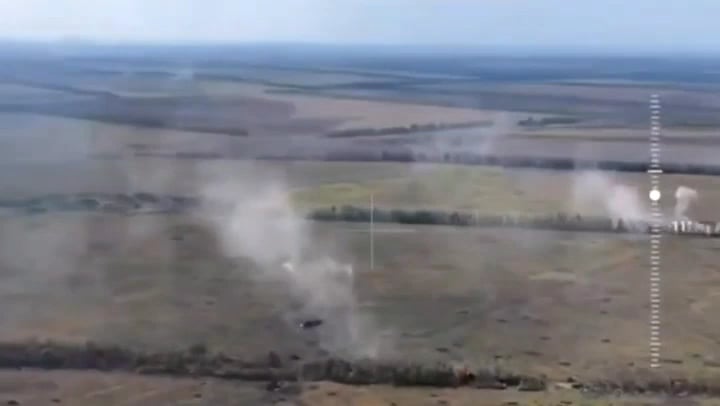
(493, 191)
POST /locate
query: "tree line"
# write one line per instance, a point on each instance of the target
(558, 221)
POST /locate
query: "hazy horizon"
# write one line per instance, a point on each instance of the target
(675, 26)
(80, 45)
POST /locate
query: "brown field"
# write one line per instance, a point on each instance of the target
(44, 388)
(541, 302)
(331, 394)
(261, 109)
(549, 310)
(354, 113)
(558, 300)
(37, 388)
(546, 303)
(599, 93)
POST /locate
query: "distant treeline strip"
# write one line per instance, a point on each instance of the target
(559, 222)
(147, 203)
(456, 158)
(60, 87)
(468, 158)
(136, 203)
(709, 139)
(413, 128)
(117, 116)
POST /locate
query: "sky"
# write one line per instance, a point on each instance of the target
(605, 24)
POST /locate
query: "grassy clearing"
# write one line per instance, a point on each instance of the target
(485, 189)
(497, 190)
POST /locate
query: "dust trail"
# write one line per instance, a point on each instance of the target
(684, 196)
(255, 220)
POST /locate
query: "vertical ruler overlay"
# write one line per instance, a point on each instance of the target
(654, 171)
(372, 230)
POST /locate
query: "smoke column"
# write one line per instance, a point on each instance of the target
(255, 220)
(595, 191)
(683, 197)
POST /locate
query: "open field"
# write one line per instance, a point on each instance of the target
(572, 304)
(86, 389)
(558, 305)
(261, 110)
(618, 93)
(337, 394)
(322, 184)
(569, 305)
(299, 95)
(89, 389)
(492, 190)
(357, 113)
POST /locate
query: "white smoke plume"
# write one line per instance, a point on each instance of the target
(598, 193)
(503, 124)
(255, 220)
(684, 196)
(479, 141)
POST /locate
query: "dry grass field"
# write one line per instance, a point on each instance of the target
(356, 113)
(38, 388)
(94, 389)
(261, 109)
(495, 190)
(554, 303)
(561, 305)
(331, 394)
(543, 302)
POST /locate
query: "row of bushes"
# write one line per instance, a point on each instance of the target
(117, 202)
(560, 221)
(197, 361)
(399, 154)
(413, 128)
(456, 218)
(544, 121)
(419, 155)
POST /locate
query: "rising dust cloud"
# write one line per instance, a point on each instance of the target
(597, 192)
(684, 196)
(602, 194)
(255, 220)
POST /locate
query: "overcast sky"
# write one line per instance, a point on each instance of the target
(619, 24)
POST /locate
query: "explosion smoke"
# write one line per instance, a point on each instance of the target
(255, 220)
(593, 191)
(683, 197)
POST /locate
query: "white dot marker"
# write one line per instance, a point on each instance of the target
(654, 195)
